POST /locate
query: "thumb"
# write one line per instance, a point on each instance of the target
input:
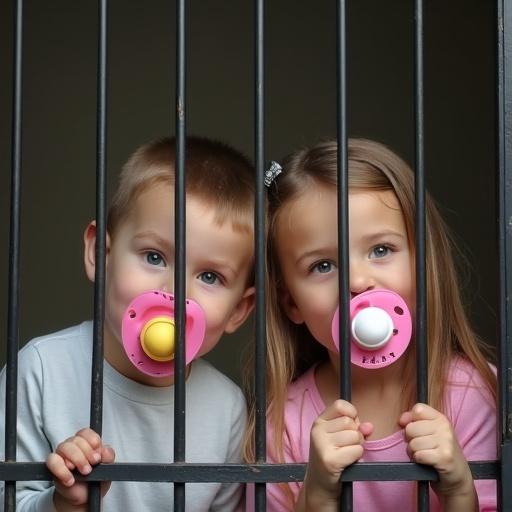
(405, 419)
(107, 454)
(366, 428)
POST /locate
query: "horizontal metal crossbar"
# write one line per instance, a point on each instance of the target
(201, 473)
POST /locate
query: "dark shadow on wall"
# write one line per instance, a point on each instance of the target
(59, 130)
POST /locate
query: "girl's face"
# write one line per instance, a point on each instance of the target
(307, 249)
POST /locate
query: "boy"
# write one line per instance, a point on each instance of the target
(138, 408)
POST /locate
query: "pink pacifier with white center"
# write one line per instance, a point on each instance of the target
(381, 328)
(147, 331)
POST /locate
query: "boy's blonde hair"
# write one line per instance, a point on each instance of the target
(216, 173)
(292, 349)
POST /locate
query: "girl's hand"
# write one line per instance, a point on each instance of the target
(337, 439)
(432, 441)
(80, 452)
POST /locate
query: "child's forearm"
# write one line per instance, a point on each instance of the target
(467, 501)
(310, 501)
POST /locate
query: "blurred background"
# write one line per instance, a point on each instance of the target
(59, 120)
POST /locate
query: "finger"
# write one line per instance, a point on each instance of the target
(420, 429)
(57, 467)
(405, 419)
(424, 412)
(74, 454)
(429, 457)
(93, 455)
(340, 423)
(108, 454)
(339, 408)
(366, 428)
(347, 455)
(92, 438)
(345, 438)
(69, 464)
(423, 443)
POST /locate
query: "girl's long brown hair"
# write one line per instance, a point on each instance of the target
(291, 349)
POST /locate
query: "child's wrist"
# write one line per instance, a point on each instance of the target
(318, 496)
(61, 504)
(464, 490)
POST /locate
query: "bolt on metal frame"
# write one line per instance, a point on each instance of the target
(179, 472)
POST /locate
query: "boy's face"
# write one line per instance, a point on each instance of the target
(140, 257)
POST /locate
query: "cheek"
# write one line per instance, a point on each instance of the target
(318, 314)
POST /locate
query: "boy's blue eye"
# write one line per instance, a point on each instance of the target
(209, 277)
(323, 267)
(153, 258)
(379, 252)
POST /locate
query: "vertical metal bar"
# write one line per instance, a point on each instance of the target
(179, 269)
(11, 401)
(346, 502)
(421, 283)
(260, 326)
(504, 115)
(96, 413)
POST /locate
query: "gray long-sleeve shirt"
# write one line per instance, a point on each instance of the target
(53, 403)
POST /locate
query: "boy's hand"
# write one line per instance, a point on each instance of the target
(80, 452)
(432, 441)
(337, 439)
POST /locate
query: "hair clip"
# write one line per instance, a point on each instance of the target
(272, 172)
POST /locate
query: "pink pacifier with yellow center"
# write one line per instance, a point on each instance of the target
(381, 328)
(147, 331)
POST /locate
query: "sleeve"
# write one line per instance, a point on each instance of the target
(230, 496)
(475, 413)
(32, 445)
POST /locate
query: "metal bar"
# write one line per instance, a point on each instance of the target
(180, 266)
(260, 498)
(96, 412)
(346, 502)
(504, 115)
(421, 283)
(183, 472)
(11, 398)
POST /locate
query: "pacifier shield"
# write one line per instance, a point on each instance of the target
(381, 328)
(147, 332)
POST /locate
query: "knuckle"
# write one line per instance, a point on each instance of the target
(446, 454)
(346, 421)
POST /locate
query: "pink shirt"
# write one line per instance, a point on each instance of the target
(469, 407)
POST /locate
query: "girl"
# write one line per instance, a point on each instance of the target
(306, 421)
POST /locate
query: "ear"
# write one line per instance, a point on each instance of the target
(290, 308)
(90, 249)
(241, 311)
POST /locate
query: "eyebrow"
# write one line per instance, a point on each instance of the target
(155, 237)
(372, 237)
(222, 267)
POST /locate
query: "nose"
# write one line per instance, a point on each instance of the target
(361, 279)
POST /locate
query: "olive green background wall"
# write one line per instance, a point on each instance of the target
(59, 130)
